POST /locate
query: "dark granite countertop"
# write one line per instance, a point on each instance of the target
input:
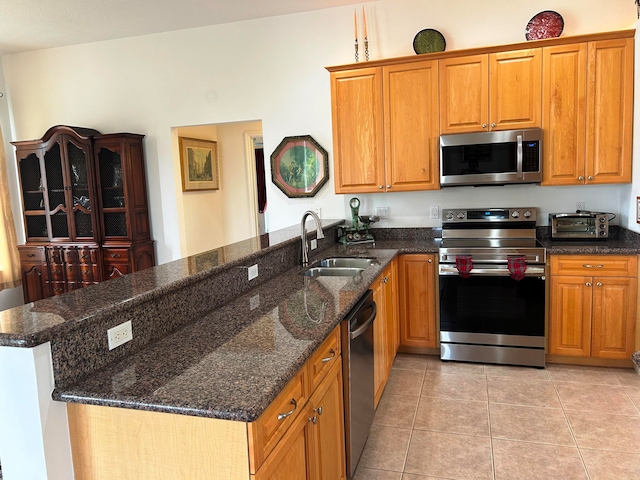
(233, 362)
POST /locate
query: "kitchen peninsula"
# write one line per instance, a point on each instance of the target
(222, 357)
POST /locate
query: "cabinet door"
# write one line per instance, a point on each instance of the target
(609, 111)
(379, 341)
(417, 289)
(32, 187)
(570, 316)
(56, 189)
(411, 126)
(564, 91)
(80, 187)
(514, 89)
(464, 94)
(358, 143)
(614, 317)
(326, 429)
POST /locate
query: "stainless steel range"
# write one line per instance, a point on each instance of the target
(492, 287)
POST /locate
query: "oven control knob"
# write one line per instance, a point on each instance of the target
(527, 213)
(515, 214)
(449, 216)
(460, 215)
(602, 219)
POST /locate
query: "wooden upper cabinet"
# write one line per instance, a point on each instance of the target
(564, 92)
(498, 91)
(464, 94)
(411, 126)
(587, 101)
(609, 111)
(358, 143)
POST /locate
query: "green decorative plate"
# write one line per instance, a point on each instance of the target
(429, 41)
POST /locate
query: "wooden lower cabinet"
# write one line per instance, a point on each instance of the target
(306, 444)
(417, 297)
(385, 329)
(593, 315)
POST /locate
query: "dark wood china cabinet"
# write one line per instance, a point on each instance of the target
(85, 209)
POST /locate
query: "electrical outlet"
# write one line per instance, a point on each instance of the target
(314, 244)
(253, 271)
(119, 334)
(435, 211)
(580, 206)
(382, 212)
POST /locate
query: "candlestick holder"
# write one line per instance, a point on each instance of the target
(356, 47)
(366, 49)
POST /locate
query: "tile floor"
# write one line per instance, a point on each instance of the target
(452, 420)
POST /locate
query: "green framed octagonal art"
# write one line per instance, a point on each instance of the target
(299, 166)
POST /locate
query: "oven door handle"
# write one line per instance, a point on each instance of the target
(488, 270)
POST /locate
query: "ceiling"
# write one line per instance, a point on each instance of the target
(36, 24)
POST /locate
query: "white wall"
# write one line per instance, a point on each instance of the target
(271, 69)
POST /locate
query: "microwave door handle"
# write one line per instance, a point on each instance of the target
(519, 156)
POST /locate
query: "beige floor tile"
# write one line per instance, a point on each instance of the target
(462, 368)
(582, 374)
(628, 377)
(595, 398)
(463, 387)
(407, 361)
(386, 448)
(530, 424)
(634, 395)
(396, 410)
(371, 474)
(619, 433)
(452, 416)
(532, 461)
(603, 465)
(449, 456)
(521, 373)
(411, 476)
(404, 382)
(522, 392)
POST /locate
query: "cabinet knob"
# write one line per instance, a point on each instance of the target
(380, 187)
(599, 284)
(580, 178)
(588, 284)
(590, 177)
(313, 419)
(493, 125)
(484, 125)
(388, 187)
(430, 261)
(318, 410)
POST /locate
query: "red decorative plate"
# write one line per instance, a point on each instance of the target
(547, 24)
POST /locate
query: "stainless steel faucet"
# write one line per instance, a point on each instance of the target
(303, 235)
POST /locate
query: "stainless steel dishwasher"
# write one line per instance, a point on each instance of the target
(357, 360)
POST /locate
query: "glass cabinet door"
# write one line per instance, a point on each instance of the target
(78, 168)
(112, 181)
(56, 192)
(33, 199)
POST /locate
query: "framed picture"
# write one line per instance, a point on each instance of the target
(299, 166)
(199, 164)
(637, 209)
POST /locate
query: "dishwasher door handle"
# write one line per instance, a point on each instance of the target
(362, 328)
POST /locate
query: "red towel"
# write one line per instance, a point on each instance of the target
(517, 267)
(464, 264)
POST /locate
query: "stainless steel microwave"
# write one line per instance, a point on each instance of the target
(491, 158)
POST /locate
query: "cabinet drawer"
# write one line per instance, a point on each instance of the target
(32, 255)
(596, 265)
(265, 432)
(323, 359)
(116, 255)
(89, 273)
(87, 255)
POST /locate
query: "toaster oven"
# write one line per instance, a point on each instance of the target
(580, 225)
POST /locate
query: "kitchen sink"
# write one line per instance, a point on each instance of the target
(333, 272)
(346, 262)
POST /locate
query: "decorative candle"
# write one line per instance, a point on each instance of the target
(364, 22)
(355, 26)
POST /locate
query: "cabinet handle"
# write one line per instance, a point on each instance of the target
(31, 255)
(318, 410)
(282, 416)
(328, 359)
(484, 125)
(114, 255)
(588, 265)
(313, 419)
(588, 284)
(86, 272)
(85, 255)
(599, 284)
(580, 178)
(590, 177)
(70, 268)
